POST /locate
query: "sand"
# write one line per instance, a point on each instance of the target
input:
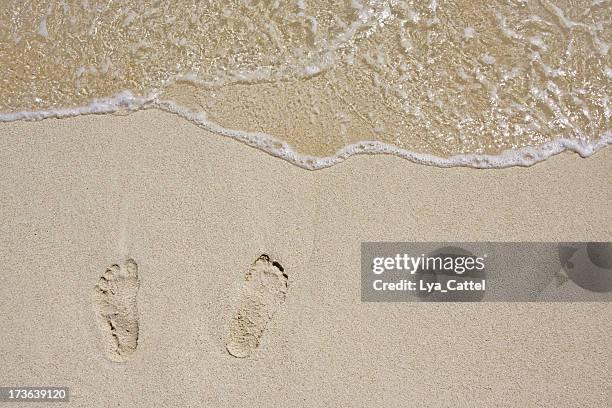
(195, 210)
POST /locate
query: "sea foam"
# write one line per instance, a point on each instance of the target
(127, 102)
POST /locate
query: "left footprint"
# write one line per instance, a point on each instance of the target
(116, 309)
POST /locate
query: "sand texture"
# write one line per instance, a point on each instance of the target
(235, 275)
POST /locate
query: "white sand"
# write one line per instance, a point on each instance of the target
(195, 210)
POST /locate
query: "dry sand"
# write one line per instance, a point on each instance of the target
(195, 210)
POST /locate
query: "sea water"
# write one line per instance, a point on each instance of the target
(484, 84)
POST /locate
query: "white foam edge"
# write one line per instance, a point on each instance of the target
(124, 101)
(127, 102)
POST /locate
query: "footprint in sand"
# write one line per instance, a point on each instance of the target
(116, 310)
(263, 291)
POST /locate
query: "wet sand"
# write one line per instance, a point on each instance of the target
(437, 78)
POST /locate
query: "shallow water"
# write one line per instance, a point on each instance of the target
(441, 82)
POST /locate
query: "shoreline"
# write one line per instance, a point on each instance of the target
(126, 102)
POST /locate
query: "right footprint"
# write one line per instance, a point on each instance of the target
(264, 290)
